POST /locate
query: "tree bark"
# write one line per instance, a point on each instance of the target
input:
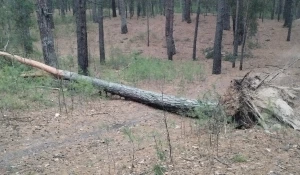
(287, 13)
(183, 10)
(101, 32)
(113, 7)
(217, 62)
(94, 11)
(82, 46)
(46, 35)
(196, 30)
(148, 27)
(235, 30)
(124, 29)
(273, 9)
(169, 29)
(188, 11)
(290, 21)
(131, 8)
(280, 2)
(157, 100)
(226, 20)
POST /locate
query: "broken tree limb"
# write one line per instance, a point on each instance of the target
(157, 100)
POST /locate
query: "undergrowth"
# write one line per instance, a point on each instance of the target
(18, 92)
(135, 68)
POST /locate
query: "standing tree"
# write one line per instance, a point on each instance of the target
(131, 8)
(82, 46)
(188, 11)
(217, 62)
(280, 2)
(94, 11)
(46, 35)
(196, 30)
(171, 50)
(183, 10)
(113, 7)
(148, 28)
(101, 32)
(226, 20)
(287, 12)
(290, 19)
(273, 9)
(124, 29)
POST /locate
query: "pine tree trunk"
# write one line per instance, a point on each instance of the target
(226, 20)
(94, 11)
(138, 9)
(287, 13)
(273, 9)
(169, 29)
(124, 29)
(113, 7)
(217, 62)
(290, 21)
(46, 33)
(196, 30)
(188, 11)
(236, 29)
(280, 2)
(148, 28)
(131, 8)
(101, 32)
(183, 10)
(63, 8)
(82, 47)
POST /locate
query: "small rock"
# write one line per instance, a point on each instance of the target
(57, 115)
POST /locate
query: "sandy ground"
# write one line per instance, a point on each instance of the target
(90, 139)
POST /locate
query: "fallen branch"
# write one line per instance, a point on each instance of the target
(153, 99)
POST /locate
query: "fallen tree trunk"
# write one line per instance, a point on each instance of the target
(157, 100)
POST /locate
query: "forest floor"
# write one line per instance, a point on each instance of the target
(114, 136)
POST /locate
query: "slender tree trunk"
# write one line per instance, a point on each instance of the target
(82, 46)
(244, 36)
(46, 33)
(148, 30)
(235, 42)
(280, 2)
(273, 9)
(290, 21)
(63, 8)
(183, 10)
(131, 8)
(217, 62)
(169, 29)
(287, 13)
(101, 32)
(226, 20)
(94, 11)
(138, 9)
(196, 30)
(124, 29)
(113, 7)
(188, 11)
(144, 7)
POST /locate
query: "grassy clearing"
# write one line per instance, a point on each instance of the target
(135, 68)
(20, 93)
